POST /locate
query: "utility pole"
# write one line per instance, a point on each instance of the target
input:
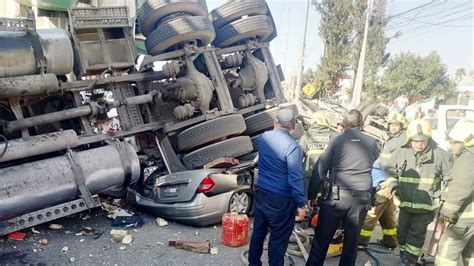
(299, 77)
(357, 92)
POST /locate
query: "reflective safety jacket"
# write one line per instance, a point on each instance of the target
(459, 197)
(313, 143)
(391, 145)
(420, 185)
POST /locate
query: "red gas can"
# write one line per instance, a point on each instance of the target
(235, 229)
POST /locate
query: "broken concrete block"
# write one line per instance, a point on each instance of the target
(193, 246)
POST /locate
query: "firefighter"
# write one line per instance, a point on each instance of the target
(458, 208)
(384, 209)
(314, 141)
(415, 175)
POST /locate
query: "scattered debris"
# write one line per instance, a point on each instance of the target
(86, 217)
(196, 233)
(215, 227)
(81, 240)
(223, 162)
(122, 248)
(55, 226)
(67, 232)
(72, 259)
(118, 235)
(34, 231)
(127, 240)
(214, 251)
(193, 246)
(91, 256)
(88, 231)
(43, 242)
(128, 221)
(114, 211)
(117, 202)
(65, 249)
(35, 250)
(105, 248)
(161, 222)
(160, 244)
(19, 236)
(177, 234)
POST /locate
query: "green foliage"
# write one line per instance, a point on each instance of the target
(376, 43)
(460, 74)
(416, 76)
(335, 30)
(341, 29)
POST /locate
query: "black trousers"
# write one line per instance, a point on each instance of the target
(350, 210)
(276, 213)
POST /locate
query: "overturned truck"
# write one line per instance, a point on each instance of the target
(206, 89)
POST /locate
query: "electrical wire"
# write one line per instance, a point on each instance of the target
(410, 10)
(431, 18)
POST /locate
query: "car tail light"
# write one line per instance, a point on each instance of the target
(206, 185)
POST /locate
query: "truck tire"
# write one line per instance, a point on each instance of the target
(254, 140)
(233, 147)
(234, 10)
(209, 131)
(180, 30)
(264, 120)
(374, 109)
(152, 11)
(260, 26)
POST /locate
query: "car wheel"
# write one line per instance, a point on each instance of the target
(178, 31)
(234, 10)
(260, 26)
(233, 147)
(209, 131)
(264, 120)
(152, 11)
(240, 202)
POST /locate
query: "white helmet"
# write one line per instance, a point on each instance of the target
(463, 131)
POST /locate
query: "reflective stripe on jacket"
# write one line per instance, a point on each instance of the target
(459, 199)
(420, 185)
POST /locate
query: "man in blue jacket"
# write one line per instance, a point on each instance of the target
(280, 190)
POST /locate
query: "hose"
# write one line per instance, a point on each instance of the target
(370, 251)
(5, 140)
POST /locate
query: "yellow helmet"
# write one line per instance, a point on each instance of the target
(320, 118)
(397, 118)
(419, 130)
(463, 131)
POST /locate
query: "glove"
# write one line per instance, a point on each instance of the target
(447, 219)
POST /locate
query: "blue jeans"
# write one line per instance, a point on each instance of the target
(276, 213)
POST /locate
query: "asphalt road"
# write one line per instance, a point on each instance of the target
(149, 245)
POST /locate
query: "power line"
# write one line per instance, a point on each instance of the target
(408, 23)
(410, 10)
(433, 19)
(423, 30)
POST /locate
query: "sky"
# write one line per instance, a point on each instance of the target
(444, 26)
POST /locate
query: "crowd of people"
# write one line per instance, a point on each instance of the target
(357, 182)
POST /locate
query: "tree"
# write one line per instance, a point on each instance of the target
(415, 76)
(460, 74)
(308, 76)
(335, 30)
(376, 43)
